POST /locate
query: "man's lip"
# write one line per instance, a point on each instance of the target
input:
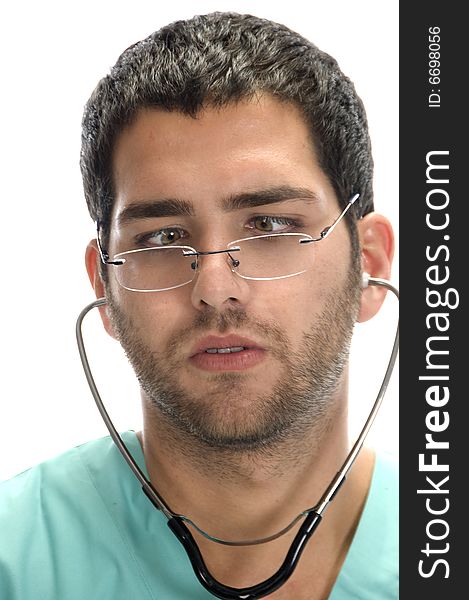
(228, 341)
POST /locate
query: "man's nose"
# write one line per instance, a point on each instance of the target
(216, 284)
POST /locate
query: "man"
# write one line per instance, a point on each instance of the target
(221, 160)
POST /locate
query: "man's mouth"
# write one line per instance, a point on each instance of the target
(226, 353)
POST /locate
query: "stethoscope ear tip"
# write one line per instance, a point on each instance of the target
(365, 279)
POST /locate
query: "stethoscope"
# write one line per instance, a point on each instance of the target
(177, 523)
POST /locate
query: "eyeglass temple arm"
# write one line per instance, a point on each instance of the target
(102, 253)
(328, 230)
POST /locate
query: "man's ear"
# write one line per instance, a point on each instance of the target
(377, 251)
(93, 267)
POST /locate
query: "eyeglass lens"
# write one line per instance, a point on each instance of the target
(263, 257)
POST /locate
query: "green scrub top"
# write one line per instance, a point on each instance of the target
(79, 527)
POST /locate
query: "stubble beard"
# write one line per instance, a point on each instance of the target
(231, 420)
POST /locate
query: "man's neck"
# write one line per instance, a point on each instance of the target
(255, 496)
(284, 477)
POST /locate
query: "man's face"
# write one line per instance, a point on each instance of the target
(287, 338)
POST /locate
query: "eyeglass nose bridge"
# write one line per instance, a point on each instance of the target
(196, 253)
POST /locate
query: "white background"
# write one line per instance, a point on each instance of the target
(52, 56)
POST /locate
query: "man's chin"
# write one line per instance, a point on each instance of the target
(228, 388)
(228, 416)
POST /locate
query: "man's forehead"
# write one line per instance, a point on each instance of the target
(230, 157)
(255, 124)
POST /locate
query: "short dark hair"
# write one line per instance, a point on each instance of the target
(217, 59)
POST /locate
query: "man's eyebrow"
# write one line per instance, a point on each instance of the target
(170, 207)
(173, 207)
(268, 196)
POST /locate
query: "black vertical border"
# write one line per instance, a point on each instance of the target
(425, 127)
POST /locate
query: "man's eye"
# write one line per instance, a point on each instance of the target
(268, 224)
(163, 237)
